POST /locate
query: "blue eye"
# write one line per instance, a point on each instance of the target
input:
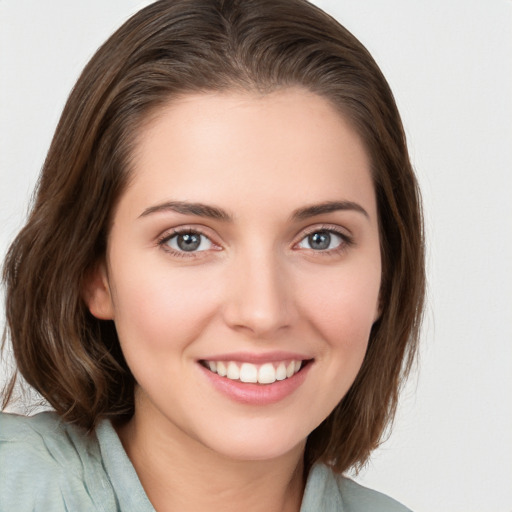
(189, 241)
(321, 240)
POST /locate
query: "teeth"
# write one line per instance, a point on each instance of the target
(281, 372)
(233, 371)
(267, 373)
(221, 369)
(248, 373)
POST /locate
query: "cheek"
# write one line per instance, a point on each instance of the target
(340, 307)
(162, 307)
(344, 307)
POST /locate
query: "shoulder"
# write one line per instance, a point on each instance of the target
(361, 498)
(47, 464)
(45, 437)
(15, 426)
(335, 493)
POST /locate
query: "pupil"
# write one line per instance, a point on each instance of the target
(319, 241)
(189, 242)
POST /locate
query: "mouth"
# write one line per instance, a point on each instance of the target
(264, 373)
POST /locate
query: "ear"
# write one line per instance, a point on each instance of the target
(96, 293)
(378, 308)
(377, 316)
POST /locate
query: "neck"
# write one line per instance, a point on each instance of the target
(178, 473)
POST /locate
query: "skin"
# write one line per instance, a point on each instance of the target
(256, 286)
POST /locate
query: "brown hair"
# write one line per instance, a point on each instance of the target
(172, 48)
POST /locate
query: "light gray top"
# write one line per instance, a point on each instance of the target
(48, 465)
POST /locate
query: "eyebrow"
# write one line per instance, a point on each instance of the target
(213, 212)
(328, 207)
(186, 208)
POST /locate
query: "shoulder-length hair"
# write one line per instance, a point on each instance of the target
(172, 48)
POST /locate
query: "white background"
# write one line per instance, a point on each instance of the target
(449, 63)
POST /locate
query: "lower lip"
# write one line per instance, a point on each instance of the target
(257, 394)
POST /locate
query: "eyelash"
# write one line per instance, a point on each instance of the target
(346, 241)
(166, 237)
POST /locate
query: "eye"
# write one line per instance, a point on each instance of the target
(189, 241)
(322, 240)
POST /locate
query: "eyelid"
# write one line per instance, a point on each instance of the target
(335, 228)
(343, 233)
(168, 234)
(340, 231)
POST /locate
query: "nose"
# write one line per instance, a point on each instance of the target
(259, 296)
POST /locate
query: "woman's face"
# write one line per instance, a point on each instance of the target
(243, 269)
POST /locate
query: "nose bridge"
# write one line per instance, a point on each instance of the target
(258, 298)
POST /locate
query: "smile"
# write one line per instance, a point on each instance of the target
(266, 373)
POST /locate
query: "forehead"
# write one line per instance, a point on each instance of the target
(286, 148)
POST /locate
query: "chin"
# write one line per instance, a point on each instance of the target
(256, 443)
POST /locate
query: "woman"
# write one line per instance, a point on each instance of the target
(220, 285)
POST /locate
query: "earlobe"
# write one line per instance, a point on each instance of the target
(378, 309)
(96, 293)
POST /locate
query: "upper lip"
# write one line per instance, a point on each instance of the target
(263, 357)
